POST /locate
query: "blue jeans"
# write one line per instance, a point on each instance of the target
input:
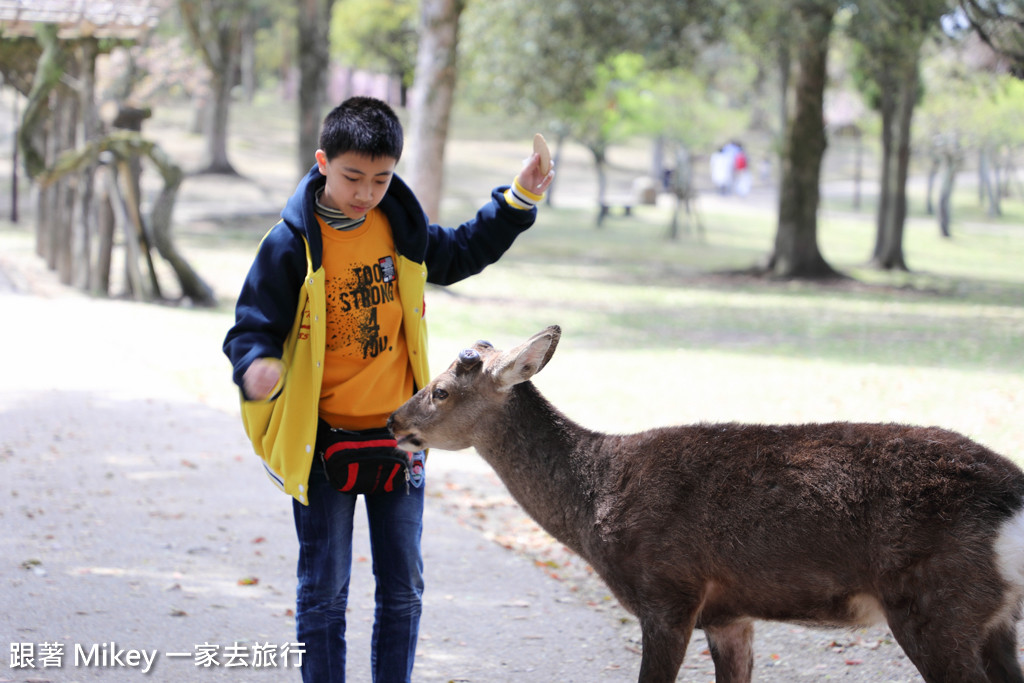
(324, 529)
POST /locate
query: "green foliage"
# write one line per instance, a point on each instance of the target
(613, 109)
(972, 109)
(681, 108)
(1003, 119)
(376, 34)
(948, 115)
(887, 39)
(528, 58)
(536, 57)
(629, 99)
(276, 36)
(565, 72)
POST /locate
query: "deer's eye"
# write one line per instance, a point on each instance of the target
(440, 394)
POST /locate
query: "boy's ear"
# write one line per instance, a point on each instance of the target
(321, 161)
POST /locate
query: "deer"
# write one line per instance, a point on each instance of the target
(716, 526)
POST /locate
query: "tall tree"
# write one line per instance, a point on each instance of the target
(431, 98)
(378, 35)
(890, 38)
(215, 29)
(796, 252)
(314, 22)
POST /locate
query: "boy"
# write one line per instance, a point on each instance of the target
(330, 332)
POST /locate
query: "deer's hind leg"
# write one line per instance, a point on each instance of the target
(732, 650)
(999, 655)
(664, 647)
(942, 629)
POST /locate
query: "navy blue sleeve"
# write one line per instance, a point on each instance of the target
(266, 307)
(457, 253)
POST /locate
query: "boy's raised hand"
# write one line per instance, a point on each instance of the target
(533, 177)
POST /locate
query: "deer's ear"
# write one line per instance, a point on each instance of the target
(526, 360)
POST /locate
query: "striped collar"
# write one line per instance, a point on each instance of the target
(335, 218)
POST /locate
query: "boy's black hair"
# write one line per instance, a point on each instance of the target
(365, 125)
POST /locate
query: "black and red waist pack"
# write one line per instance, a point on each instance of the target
(366, 462)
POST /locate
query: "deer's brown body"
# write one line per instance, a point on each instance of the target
(717, 525)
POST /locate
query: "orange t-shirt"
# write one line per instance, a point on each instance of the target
(367, 374)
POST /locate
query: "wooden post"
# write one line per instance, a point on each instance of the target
(14, 163)
(133, 275)
(105, 224)
(126, 169)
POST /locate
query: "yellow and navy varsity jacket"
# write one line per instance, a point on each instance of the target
(281, 310)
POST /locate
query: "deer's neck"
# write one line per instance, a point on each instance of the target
(548, 464)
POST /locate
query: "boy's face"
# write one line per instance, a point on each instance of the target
(355, 182)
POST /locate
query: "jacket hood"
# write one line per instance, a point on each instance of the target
(403, 210)
(299, 213)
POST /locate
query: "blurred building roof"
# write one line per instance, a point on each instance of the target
(80, 18)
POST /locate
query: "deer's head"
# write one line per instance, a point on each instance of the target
(450, 412)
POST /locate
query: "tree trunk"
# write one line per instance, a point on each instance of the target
(65, 129)
(600, 166)
(192, 286)
(49, 70)
(82, 223)
(897, 114)
(989, 192)
(556, 159)
(684, 194)
(314, 58)
(221, 82)
(127, 169)
(796, 252)
(933, 171)
(983, 176)
(247, 56)
(215, 30)
(134, 282)
(949, 172)
(858, 168)
(784, 60)
(430, 100)
(106, 222)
